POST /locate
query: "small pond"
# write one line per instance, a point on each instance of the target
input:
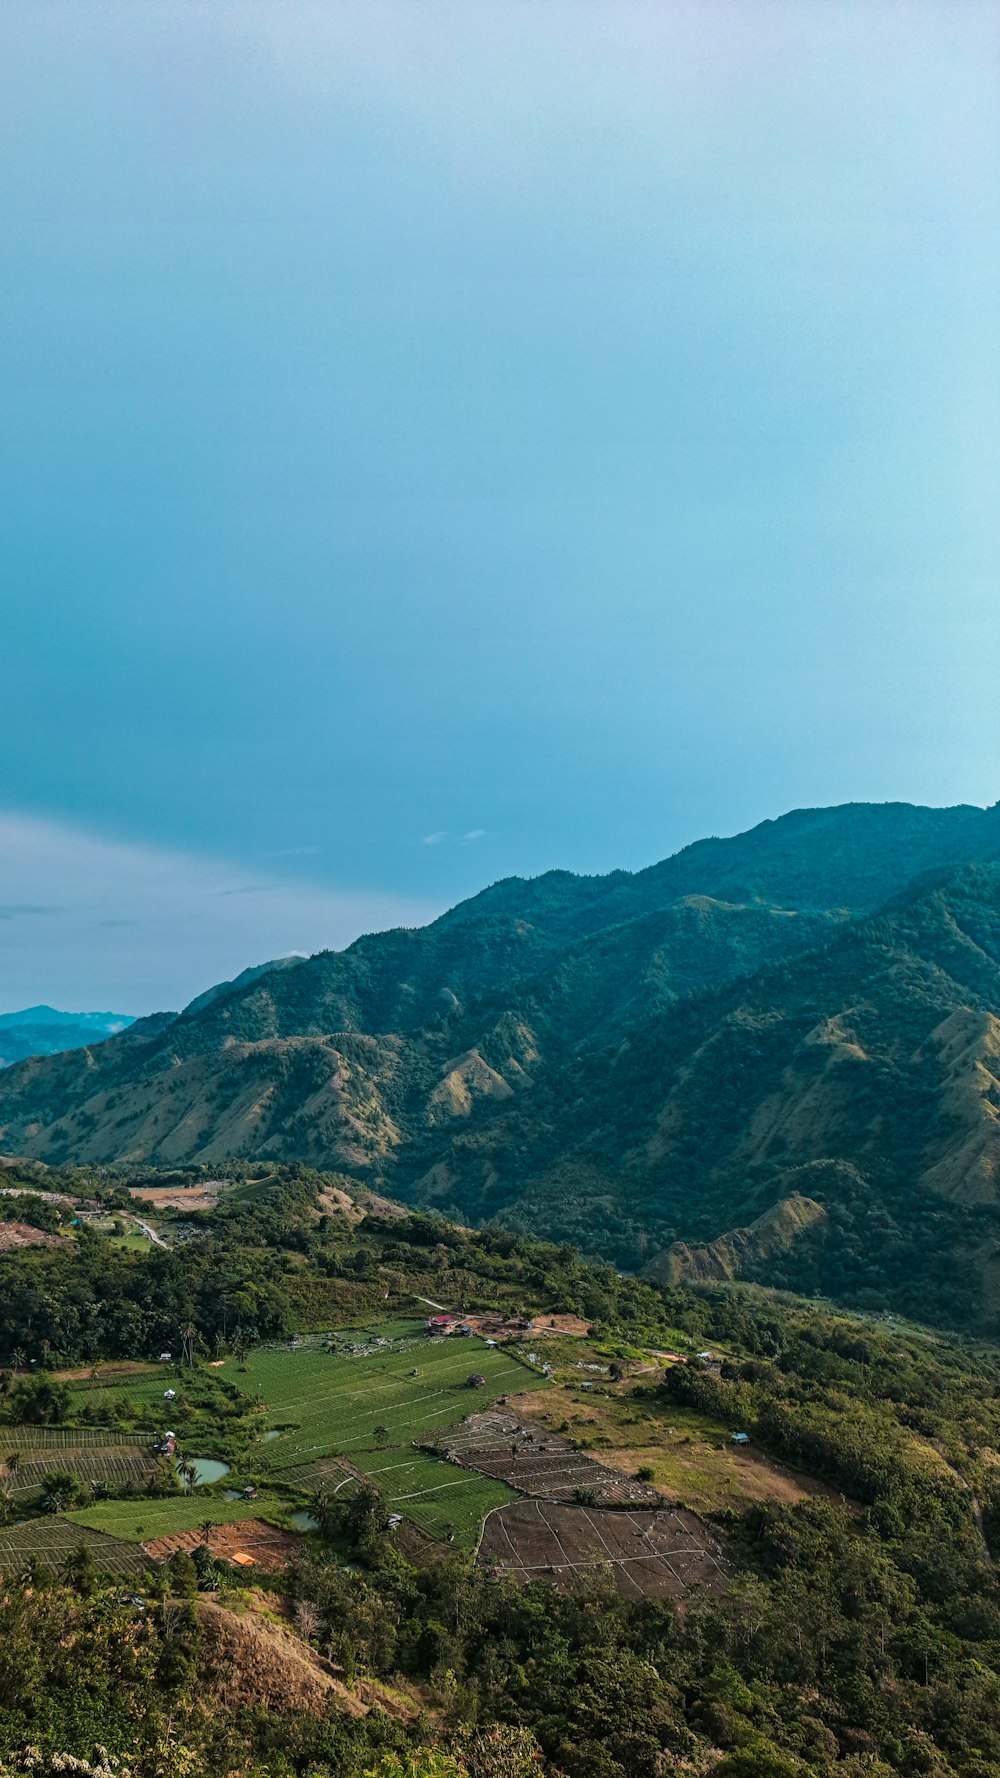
(303, 1520)
(275, 1432)
(207, 1469)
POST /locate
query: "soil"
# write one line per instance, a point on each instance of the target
(21, 1234)
(648, 1555)
(269, 1547)
(538, 1462)
(180, 1197)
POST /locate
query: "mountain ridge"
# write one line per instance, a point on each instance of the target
(608, 1060)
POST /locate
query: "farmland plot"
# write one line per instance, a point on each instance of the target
(29, 1439)
(442, 1500)
(266, 1546)
(140, 1520)
(536, 1461)
(647, 1555)
(323, 1404)
(54, 1539)
(112, 1466)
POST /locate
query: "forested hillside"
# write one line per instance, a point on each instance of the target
(846, 1626)
(809, 1010)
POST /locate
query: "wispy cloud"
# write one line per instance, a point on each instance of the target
(474, 833)
(140, 928)
(434, 839)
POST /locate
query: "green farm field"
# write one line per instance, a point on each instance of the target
(332, 1403)
(139, 1520)
(31, 1439)
(438, 1497)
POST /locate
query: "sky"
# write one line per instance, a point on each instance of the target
(442, 441)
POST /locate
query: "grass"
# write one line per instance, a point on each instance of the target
(333, 1403)
(138, 1521)
(690, 1454)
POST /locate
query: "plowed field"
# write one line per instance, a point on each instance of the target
(648, 1555)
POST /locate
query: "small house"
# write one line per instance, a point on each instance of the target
(250, 1492)
(393, 1521)
(242, 1560)
(477, 1381)
(440, 1324)
(170, 1395)
(166, 1358)
(490, 1345)
(739, 1438)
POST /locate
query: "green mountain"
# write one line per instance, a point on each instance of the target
(809, 1010)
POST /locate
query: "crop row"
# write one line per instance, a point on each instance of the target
(54, 1540)
(61, 1438)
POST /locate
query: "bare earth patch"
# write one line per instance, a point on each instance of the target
(203, 1196)
(266, 1546)
(537, 1461)
(648, 1555)
(21, 1234)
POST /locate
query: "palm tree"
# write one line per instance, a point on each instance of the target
(206, 1528)
(17, 1359)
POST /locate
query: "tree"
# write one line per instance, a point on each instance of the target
(183, 1575)
(80, 1572)
(60, 1489)
(205, 1568)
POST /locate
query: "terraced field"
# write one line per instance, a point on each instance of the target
(112, 1466)
(28, 1439)
(536, 1461)
(54, 1539)
(441, 1499)
(648, 1555)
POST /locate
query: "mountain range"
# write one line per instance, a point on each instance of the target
(776, 1054)
(44, 1031)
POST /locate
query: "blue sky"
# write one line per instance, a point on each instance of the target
(443, 440)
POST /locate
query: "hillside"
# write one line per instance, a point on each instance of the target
(356, 1560)
(810, 1008)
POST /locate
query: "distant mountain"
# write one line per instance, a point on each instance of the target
(808, 1011)
(44, 1031)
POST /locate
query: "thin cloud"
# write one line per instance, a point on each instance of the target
(474, 833)
(435, 839)
(142, 927)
